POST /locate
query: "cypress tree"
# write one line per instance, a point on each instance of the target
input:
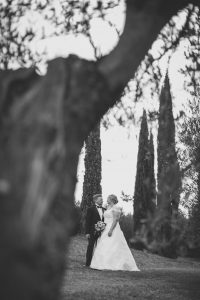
(141, 194)
(169, 182)
(92, 176)
(168, 166)
(152, 184)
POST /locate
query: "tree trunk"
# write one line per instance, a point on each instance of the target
(43, 127)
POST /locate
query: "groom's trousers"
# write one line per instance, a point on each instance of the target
(89, 252)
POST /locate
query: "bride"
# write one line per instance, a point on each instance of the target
(112, 251)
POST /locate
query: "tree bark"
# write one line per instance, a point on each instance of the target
(44, 121)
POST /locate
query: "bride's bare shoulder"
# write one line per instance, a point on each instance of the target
(117, 210)
(117, 207)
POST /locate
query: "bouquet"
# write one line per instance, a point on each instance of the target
(99, 228)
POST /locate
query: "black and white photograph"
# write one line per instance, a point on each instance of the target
(99, 149)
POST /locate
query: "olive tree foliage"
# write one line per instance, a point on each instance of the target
(78, 15)
(20, 30)
(44, 122)
(13, 44)
(167, 42)
(191, 70)
(180, 32)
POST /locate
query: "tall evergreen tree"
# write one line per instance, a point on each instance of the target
(92, 176)
(152, 184)
(168, 167)
(141, 195)
(169, 181)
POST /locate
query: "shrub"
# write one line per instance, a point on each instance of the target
(172, 244)
(77, 217)
(126, 224)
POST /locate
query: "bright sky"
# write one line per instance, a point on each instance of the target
(119, 158)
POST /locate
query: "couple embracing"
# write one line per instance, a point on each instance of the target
(107, 248)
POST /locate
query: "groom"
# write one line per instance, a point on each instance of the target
(94, 214)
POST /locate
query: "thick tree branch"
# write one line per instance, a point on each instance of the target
(144, 20)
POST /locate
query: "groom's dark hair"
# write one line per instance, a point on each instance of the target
(96, 196)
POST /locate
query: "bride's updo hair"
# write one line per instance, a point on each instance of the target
(113, 198)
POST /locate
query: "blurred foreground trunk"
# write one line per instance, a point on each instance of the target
(42, 130)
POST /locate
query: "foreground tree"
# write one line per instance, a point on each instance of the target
(92, 176)
(44, 122)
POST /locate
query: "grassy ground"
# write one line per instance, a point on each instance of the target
(160, 278)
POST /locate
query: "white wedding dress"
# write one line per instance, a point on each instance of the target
(112, 253)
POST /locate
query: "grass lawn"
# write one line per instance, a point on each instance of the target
(160, 278)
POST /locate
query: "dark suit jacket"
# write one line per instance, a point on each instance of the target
(92, 217)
